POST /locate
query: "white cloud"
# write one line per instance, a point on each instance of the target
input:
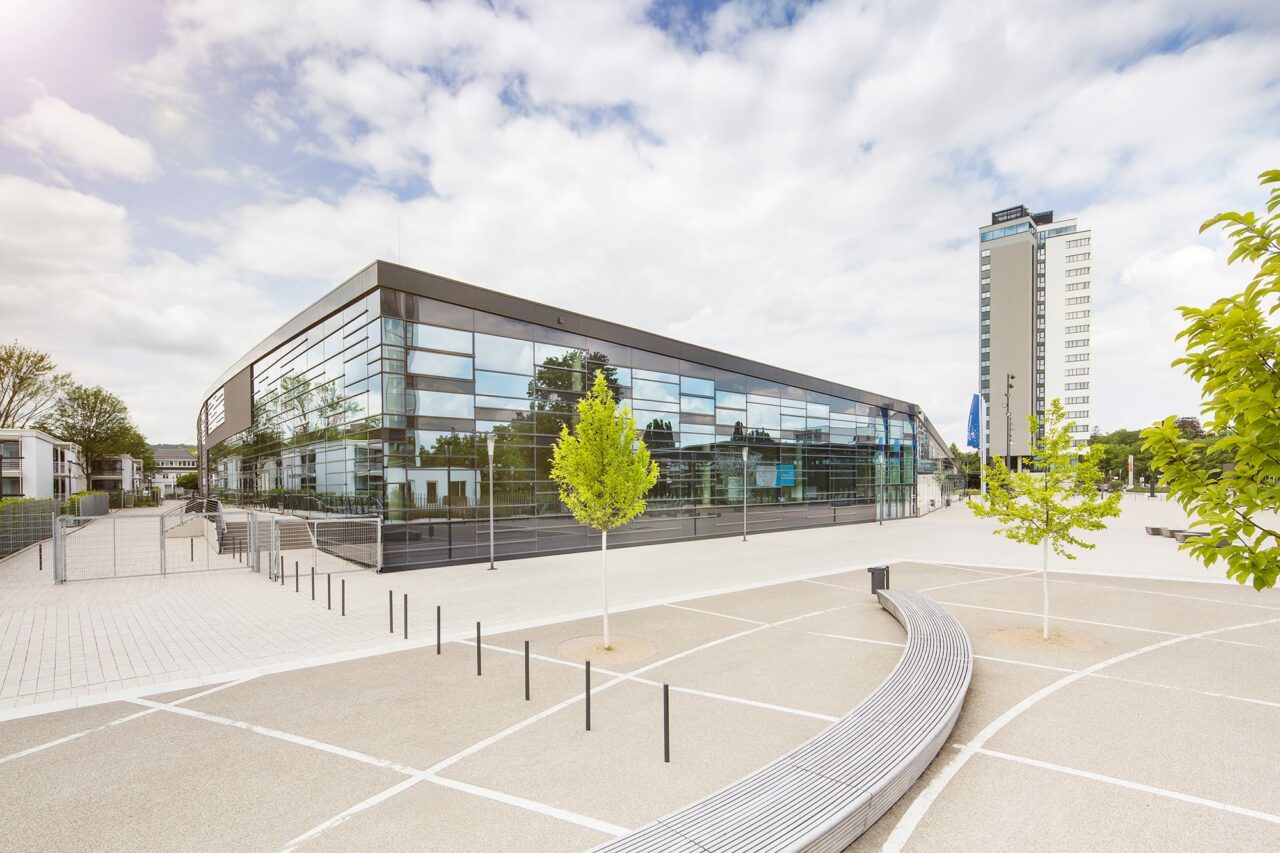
(64, 136)
(804, 194)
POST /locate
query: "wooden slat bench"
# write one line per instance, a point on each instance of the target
(828, 791)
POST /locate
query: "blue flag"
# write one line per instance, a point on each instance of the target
(975, 412)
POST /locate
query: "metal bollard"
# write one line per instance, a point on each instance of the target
(437, 629)
(192, 542)
(666, 723)
(477, 648)
(297, 587)
(405, 620)
(41, 549)
(344, 596)
(391, 611)
(328, 592)
(588, 670)
(879, 578)
(313, 583)
(526, 670)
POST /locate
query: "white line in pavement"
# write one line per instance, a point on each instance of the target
(343, 817)
(77, 735)
(288, 737)
(981, 580)
(832, 585)
(858, 639)
(920, 806)
(713, 613)
(530, 805)
(1125, 783)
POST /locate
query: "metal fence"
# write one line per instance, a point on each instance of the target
(137, 544)
(326, 544)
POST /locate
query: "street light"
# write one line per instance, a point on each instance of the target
(1008, 416)
(744, 493)
(491, 440)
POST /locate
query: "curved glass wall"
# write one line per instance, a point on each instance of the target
(386, 406)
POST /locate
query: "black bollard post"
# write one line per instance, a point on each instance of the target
(297, 587)
(313, 583)
(344, 596)
(405, 620)
(192, 542)
(666, 724)
(477, 648)
(437, 629)
(328, 592)
(391, 611)
(526, 670)
(41, 549)
(588, 695)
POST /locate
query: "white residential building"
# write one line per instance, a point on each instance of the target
(172, 463)
(36, 465)
(1035, 306)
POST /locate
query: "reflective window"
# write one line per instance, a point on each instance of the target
(792, 422)
(697, 405)
(517, 403)
(434, 337)
(506, 354)
(647, 389)
(438, 364)
(729, 417)
(760, 416)
(657, 376)
(501, 384)
(700, 387)
(731, 400)
(442, 404)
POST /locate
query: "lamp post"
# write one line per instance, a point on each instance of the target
(1008, 416)
(744, 493)
(491, 440)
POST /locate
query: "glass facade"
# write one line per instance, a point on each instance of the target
(385, 407)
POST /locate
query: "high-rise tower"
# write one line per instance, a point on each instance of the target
(1035, 306)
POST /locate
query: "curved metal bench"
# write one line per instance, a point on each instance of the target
(828, 791)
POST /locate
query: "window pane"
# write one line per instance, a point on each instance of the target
(697, 405)
(647, 389)
(792, 422)
(729, 417)
(701, 387)
(435, 364)
(760, 416)
(730, 400)
(443, 405)
(506, 354)
(501, 384)
(657, 376)
(434, 337)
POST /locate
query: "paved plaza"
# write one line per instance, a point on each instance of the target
(254, 718)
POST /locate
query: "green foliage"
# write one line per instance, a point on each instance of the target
(97, 423)
(1059, 498)
(28, 385)
(189, 480)
(602, 467)
(1231, 485)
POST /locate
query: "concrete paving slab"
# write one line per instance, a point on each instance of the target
(774, 603)
(1262, 635)
(430, 817)
(1230, 593)
(1073, 645)
(175, 695)
(864, 618)
(165, 782)
(1115, 605)
(26, 732)
(413, 707)
(995, 688)
(918, 575)
(803, 671)
(671, 630)
(615, 772)
(1207, 666)
(1200, 745)
(994, 804)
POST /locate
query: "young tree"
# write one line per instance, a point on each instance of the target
(28, 385)
(603, 470)
(1231, 486)
(1046, 507)
(188, 480)
(97, 423)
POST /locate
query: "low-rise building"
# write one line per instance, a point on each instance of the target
(34, 464)
(172, 463)
(117, 474)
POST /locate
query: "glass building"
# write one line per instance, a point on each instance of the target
(381, 396)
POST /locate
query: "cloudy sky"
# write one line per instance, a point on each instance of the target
(797, 183)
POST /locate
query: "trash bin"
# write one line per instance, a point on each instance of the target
(879, 578)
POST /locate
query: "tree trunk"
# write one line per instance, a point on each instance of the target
(604, 582)
(1044, 583)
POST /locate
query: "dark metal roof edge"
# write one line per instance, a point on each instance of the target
(431, 285)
